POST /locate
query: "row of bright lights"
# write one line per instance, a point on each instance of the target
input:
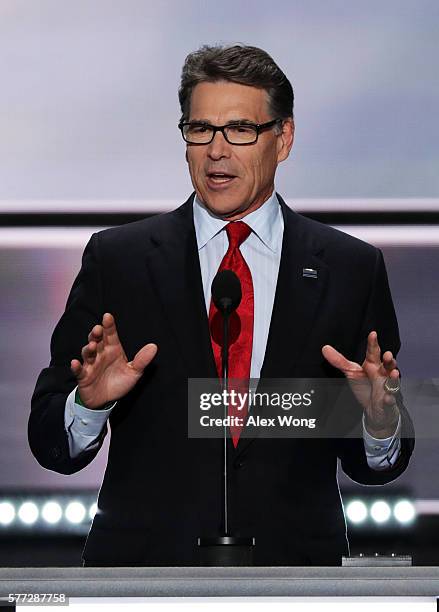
(28, 512)
(75, 512)
(380, 512)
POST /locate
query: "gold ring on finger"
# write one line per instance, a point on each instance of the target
(390, 386)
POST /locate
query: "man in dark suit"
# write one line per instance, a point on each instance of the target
(140, 310)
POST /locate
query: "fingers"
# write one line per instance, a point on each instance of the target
(143, 357)
(76, 367)
(336, 359)
(339, 361)
(99, 335)
(373, 351)
(103, 335)
(389, 363)
(392, 373)
(109, 329)
(389, 370)
(96, 338)
(89, 352)
(96, 333)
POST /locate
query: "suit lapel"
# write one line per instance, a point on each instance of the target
(174, 268)
(297, 296)
(296, 300)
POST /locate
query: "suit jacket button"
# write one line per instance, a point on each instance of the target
(239, 464)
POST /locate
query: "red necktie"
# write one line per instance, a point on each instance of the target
(241, 322)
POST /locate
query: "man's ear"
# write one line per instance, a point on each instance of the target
(286, 139)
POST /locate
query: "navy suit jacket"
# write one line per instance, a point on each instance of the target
(161, 489)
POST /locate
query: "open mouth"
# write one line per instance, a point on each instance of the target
(220, 178)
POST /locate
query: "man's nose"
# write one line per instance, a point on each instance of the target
(219, 147)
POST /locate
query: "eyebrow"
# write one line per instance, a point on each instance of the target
(230, 122)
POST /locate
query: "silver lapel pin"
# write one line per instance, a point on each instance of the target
(309, 273)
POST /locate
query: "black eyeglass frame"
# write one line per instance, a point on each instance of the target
(259, 127)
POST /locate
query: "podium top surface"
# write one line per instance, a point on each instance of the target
(223, 582)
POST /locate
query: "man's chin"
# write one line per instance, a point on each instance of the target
(223, 208)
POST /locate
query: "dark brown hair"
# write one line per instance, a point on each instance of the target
(239, 64)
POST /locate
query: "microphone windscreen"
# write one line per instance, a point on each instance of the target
(226, 291)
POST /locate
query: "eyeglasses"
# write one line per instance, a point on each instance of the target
(194, 132)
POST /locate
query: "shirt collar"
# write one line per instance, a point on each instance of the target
(266, 222)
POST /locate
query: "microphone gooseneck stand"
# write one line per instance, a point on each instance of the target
(226, 550)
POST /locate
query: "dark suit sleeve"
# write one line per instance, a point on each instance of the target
(47, 436)
(380, 316)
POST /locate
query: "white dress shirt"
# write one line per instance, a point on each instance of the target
(262, 252)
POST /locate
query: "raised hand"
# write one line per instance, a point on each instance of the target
(106, 375)
(367, 383)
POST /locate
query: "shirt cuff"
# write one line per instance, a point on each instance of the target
(382, 453)
(83, 420)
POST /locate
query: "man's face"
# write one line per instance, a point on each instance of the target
(249, 169)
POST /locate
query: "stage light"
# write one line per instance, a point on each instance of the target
(63, 512)
(404, 511)
(51, 512)
(28, 513)
(7, 513)
(92, 511)
(356, 511)
(75, 512)
(380, 511)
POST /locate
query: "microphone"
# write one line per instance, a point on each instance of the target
(227, 549)
(226, 291)
(226, 295)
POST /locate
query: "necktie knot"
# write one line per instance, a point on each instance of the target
(237, 232)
